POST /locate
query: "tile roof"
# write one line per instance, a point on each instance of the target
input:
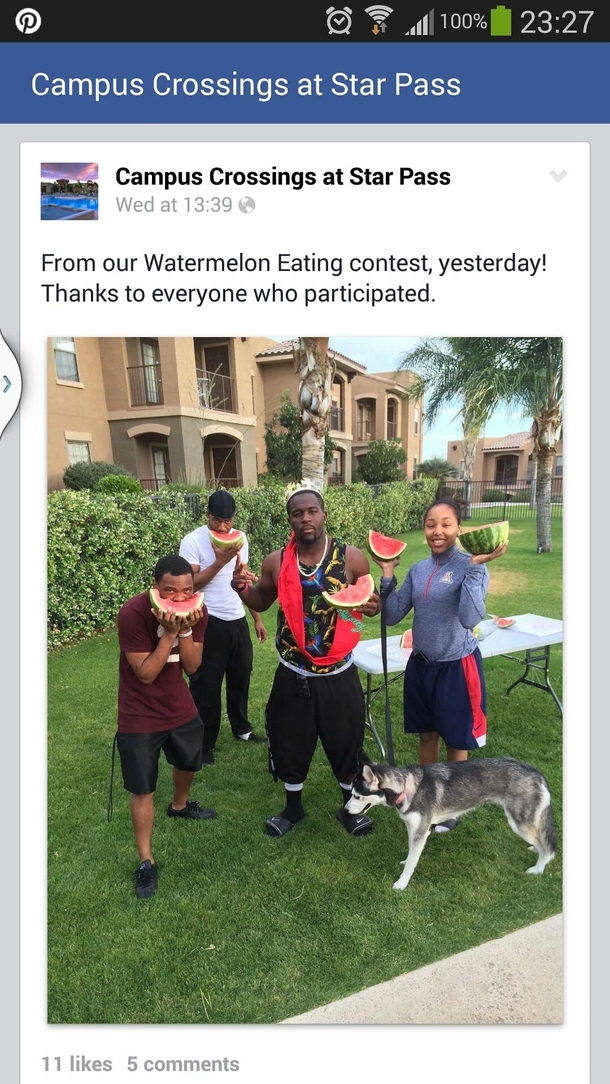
(513, 440)
(288, 346)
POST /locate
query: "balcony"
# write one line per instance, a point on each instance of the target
(336, 480)
(392, 430)
(337, 424)
(153, 485)
(145, 385)
(364, 430)
(216, 392)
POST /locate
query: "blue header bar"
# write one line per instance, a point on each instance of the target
(229, 83)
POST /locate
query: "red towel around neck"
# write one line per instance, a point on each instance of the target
(290, 596)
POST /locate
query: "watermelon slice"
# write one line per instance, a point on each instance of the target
(407, 640)
(386, 549)
(485, 539)
(353, 596)
(169, 605)
(224, 539)
(504, 622)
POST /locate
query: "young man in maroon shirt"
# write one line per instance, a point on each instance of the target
(156, 709)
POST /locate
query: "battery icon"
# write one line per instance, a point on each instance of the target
(501, 22)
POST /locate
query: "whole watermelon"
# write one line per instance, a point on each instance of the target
(485, 539)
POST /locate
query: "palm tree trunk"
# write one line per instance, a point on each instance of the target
(543, 501)
(469, 445)
(316, 372)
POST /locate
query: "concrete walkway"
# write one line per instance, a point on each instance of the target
(517, 979)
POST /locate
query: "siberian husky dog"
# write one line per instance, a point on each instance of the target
(426, 795)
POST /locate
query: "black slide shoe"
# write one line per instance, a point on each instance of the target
(354, 823)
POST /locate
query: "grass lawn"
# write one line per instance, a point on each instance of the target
(247, 929)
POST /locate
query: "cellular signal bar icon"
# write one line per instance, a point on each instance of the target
(424, 28)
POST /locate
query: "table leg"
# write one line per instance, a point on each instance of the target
(369, 717)
(535, 659)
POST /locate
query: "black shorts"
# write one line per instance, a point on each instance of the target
(139, 753)
(300, 710)
(449, 698)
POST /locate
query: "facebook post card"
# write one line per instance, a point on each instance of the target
(297, 478)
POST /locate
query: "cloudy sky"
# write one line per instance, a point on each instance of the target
(383, 355)
(68, 171)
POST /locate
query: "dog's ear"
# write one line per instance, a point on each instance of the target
(368, 775)
(363, 758)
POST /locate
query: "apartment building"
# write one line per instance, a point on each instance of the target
(503, 460)
(194, 409)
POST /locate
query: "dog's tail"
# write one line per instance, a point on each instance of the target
(546, 830)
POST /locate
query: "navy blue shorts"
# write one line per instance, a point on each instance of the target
(449, 698)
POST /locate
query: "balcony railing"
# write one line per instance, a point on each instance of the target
(336, 419)
(392, 430)
(364, 430)
(145, 386)
(226, 483)
(153, 485)
(216, 392)
(336, 480)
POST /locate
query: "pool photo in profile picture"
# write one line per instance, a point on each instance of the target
(68, 191)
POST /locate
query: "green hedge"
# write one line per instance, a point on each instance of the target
(102, 549)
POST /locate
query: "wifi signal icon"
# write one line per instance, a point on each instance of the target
(379, 14)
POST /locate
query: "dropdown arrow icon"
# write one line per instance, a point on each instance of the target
(558, 176)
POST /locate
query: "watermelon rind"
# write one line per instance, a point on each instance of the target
(353, 596)
(484, 539)
(385, 548)
(167, 605)
(225, 539)
(406, 641)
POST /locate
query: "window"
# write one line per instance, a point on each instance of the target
(416, 421)
(64, 352)
(79, 451)
(507, 469)
(559, 466)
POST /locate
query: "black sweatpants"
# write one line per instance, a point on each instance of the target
(227, 654)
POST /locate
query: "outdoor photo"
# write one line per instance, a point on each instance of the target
(304, 677)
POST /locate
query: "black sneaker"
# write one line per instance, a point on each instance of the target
(146, 880)
(191, 812)
(252, 738)
(207, 757)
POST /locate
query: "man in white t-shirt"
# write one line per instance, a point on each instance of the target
(227, 651)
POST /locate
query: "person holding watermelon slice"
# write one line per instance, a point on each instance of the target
(316, 691)
(444, 687)
(155, 708)
(227, 655)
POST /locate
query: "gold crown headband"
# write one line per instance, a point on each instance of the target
(307, 485)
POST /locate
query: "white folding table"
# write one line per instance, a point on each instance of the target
(530, 633)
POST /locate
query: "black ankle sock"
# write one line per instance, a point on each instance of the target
(294, 807)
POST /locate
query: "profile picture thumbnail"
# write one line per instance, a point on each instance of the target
(68, 191)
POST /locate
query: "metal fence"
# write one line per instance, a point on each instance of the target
(508, 500)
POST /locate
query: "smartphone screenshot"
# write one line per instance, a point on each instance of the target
(302, 394)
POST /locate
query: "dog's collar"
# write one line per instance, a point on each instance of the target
(401, 798)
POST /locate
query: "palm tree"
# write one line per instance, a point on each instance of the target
(488, 373)
(316, 371)
(438, 468)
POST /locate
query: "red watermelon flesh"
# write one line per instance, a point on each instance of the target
(353, 596)
(386, 549)
(183, 608)
(505, 622)
(224, 539)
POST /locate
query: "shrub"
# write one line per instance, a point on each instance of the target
(495, 496)
(101, 551)
(87, 475)
(118, 483)
(382, 462)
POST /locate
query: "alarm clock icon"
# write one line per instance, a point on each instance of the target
(339, 20)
